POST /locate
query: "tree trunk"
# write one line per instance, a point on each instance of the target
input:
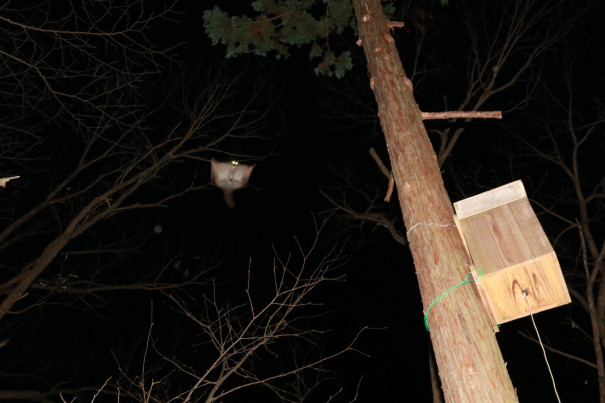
(470, 364)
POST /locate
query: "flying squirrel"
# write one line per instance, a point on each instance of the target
(230, 176)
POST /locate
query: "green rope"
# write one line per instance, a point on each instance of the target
(446, 292)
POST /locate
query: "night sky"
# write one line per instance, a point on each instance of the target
(310, 137)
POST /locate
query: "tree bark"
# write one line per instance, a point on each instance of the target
(470, 363)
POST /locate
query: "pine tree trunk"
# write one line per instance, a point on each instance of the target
(470, 364)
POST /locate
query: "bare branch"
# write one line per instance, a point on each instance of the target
(462, 115)
(556, 351)
(236, 336)
(380, 164)
(376, 218)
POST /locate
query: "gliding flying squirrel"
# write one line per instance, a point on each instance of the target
(230, 176)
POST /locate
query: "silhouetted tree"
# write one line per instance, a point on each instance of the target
(459, 328)
(560, 139)
(101, 144)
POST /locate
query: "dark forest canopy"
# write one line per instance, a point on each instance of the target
(124, 272)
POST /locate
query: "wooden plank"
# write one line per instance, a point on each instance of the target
(490, 199)
(510, 253)
(459, 228)
(504, 236)
(492, 313)
(541, 277)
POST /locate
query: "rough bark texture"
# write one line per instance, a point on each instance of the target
(470, 364)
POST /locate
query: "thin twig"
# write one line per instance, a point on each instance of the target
(563, 353)
(380, 164)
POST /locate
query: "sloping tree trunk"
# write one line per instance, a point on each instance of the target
(470, 364)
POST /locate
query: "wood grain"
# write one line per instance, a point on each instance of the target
(510, 253)
(490, 199)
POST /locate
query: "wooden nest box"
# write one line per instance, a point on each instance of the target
(510, 253)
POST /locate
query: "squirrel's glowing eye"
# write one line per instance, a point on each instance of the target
(234, 163)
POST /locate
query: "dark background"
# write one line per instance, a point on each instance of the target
(312, 133)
